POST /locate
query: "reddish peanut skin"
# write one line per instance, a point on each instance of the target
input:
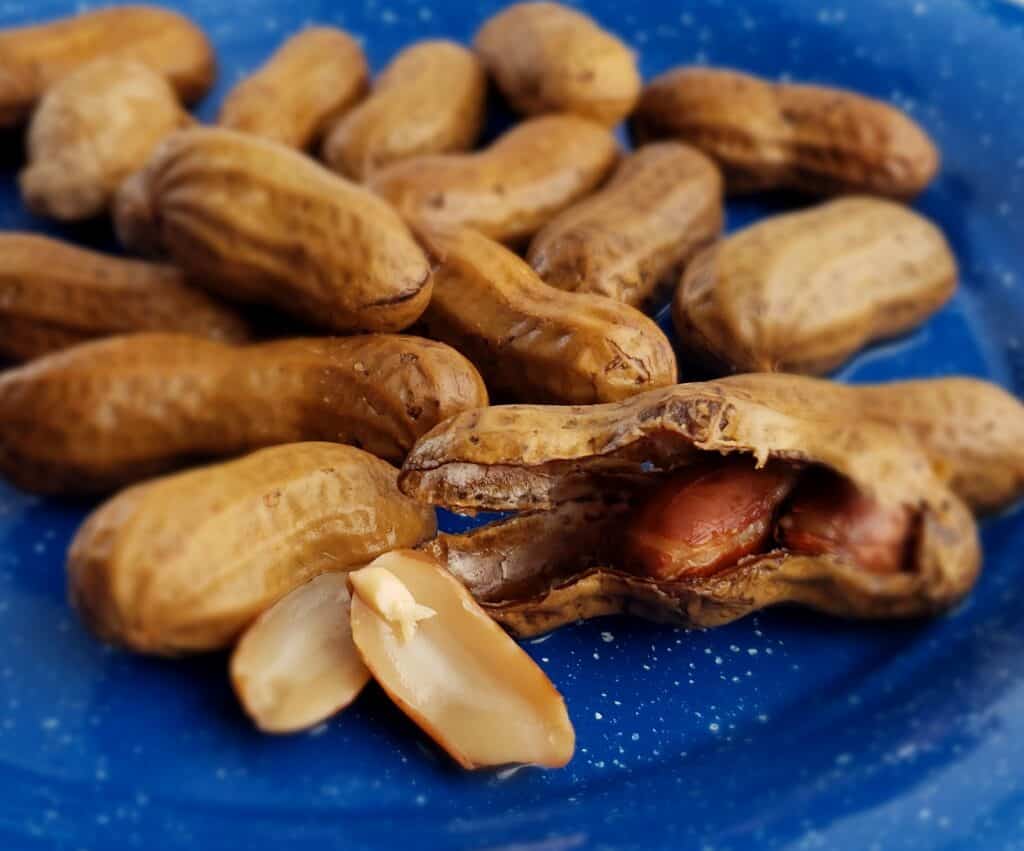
(766, 135)
(706, 518)
(32, 58)
(310, 81)
(828, 515)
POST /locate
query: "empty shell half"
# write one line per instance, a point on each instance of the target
(297, 664)
(453, 670)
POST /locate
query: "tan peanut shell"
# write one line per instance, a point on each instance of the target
(811, 138)
(186, 562)
(574, 472)
(297, 665)
(313, 78)
(429, 100)
(531, 341)
(509, 190)
(111, 412)
(972, 430)
(631, 240)
(469, 686)
(546, 57)
(91, 130)
(54, 295)
(801, 292)
(33, 58)
(258, 222)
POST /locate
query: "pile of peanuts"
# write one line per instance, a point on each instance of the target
(324, 202)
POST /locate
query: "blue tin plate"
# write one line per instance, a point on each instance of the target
(786, 730)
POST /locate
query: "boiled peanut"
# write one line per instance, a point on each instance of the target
(546, 57)
(429, 100)
(186, 562)
(631, 240)
(54, 295)
(452, 669)
(111, 412)
(297, 664)
(801, 292)
(91, 130)
(509, 190)
(765, 135)
(33, 58)
(531, 341)
(259, 222)
(312, 79)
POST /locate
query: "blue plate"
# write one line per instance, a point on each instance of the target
(786, 730)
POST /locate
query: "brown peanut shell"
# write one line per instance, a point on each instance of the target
(312, 79)
(801, 292)
(531, 341)
(33, 58)
(509, 190)
(631, 240)
(109, 413)
(573, 470)
(767, 135)
(429, 100)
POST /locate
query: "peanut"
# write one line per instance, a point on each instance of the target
(509, 190)
(631, 240)
(313, 78)
(801, 292)
(91, 130)
(259, 222)
(186, 562)
(546, 57)
(531, 341)
(765, 135)
(111, 412)
(33, 58)
(54, 295)
(429, 100)
(469, 686)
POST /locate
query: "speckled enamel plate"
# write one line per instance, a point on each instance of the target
(786, 730)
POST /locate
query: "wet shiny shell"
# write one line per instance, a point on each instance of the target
(631, 240)
(111, 412)
(312, 79)
(509, 190)
(262, 223)
(429, 100)
(185, 563)
(765, 135)
(33, 58)
(54, 295)
(546, 57)
(801, 292)
(531, 341)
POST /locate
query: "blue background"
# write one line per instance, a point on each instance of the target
(786, 730)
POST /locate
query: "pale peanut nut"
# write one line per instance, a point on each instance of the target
(546, 57)
(811, 138)
(313, 78)
(258, 222)
(429, 100)
(54, 295)
(186, 562)
(632, 239)
(33, 58)
(111, 412)
(509, 190)
(801, 292)
(469, 686)
(91, 130)
(297, 664)
(535, 343)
